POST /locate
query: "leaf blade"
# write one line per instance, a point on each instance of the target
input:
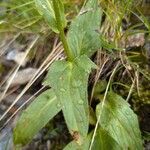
(69, 81)
(104, 141)
(120, 122)
(82, 36)
(35, 117)
(45, 8)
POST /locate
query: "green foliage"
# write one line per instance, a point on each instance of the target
(20, 15)
(120, 122)
(104, 141)
(69, 81)
(45, 8)
(36, 116)
(83, 36)
(118, 126)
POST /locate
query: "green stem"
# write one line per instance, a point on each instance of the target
(61, 31)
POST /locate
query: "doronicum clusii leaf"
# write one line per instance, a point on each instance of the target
(69, 81)
(45, 8)
(104, 141)
(120, 122)
(35, 117)
(83, 36)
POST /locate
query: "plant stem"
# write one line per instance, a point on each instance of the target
(61, 31)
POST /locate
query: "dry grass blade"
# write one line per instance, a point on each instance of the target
(97, 78)
(14, 73)
(6, 47)
(135, 81)
(52, 57)
(126, 65)
(7, 77)
(130, 91)
(27, 101)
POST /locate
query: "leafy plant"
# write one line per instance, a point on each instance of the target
(117, 124)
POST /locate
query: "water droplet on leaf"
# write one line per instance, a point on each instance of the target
(63, 107)
(80, 102)
(58, 105)
(62, 90)
(76, 83)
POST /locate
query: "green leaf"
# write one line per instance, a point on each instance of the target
(45, 8)
(62, 14)
(120, 122)
(35, 117)
(102, 141)
(69, 81)
(83, 36)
